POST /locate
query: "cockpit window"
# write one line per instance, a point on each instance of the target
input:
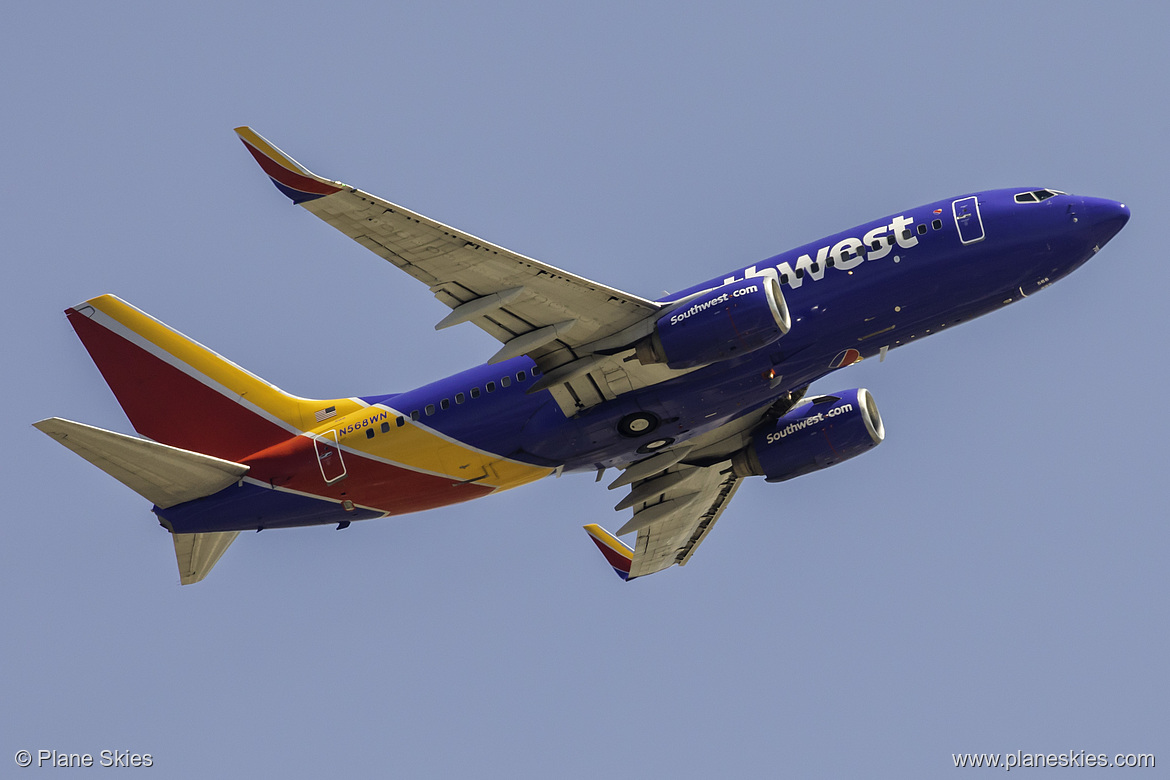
(1036, 196)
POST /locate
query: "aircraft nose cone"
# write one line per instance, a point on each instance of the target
(1106, 217)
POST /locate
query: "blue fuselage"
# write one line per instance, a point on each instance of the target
(877, 286)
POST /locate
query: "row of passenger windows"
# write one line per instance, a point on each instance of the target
(875, 246)
(444, 404)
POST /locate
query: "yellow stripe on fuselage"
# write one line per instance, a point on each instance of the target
(417, 447)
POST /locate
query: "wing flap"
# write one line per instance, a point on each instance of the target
(673, 538)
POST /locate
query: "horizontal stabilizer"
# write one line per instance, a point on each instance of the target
(198, 553)
(163, 475)
(617, 553)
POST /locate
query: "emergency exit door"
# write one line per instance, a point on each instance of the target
(329, 457)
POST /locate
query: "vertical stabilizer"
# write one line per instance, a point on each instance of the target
(179, 392)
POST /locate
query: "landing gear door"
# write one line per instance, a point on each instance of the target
(967, 219)
(329, 457)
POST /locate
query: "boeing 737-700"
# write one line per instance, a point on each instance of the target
(684, 396)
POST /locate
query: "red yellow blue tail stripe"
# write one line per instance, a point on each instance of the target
(617, 553)
(290, 177)
(180, 393)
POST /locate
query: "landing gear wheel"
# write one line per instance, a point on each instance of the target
(655, 446)
(637, 424)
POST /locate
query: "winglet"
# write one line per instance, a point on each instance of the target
(617, 553)
(290, 177)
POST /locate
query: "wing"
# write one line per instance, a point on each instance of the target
(677, 495)
(674, 510)
(559, 319)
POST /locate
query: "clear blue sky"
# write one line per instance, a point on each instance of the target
(992, 579)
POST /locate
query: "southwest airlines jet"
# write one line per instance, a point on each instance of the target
(682, 397)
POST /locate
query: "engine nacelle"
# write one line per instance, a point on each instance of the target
(728, 321)
(820, 432)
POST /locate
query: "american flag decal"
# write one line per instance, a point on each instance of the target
(326, 413)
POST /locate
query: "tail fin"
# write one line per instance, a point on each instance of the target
(163, 475)
(176, 391)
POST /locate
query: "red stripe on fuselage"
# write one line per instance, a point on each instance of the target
(371, 483)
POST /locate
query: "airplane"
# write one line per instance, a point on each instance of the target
(685, 396)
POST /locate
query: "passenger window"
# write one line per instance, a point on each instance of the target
(535, 371)
(444, 404)
(937, 224)
(922, 229)
(490, 387)
(369, 433)
(400, 421)
(414, 415)
(475, 392)
(521, 376)
(386, 426)
(459, 398)
(430, 409)
(505, 381)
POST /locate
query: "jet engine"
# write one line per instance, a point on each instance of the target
(725, 322)
(820, 432)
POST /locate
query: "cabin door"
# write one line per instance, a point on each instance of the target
(967, 219)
